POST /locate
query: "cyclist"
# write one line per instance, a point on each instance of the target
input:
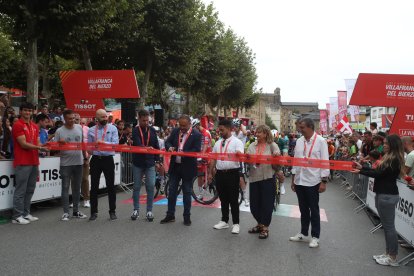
(283, 146)
(240, 132)
(206, 146)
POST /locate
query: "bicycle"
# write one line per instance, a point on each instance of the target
(277, 197)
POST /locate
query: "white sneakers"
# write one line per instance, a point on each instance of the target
(299, 238)
(20, 220)
(31, 218)
(235, 229)
(87, 204)
(246, 203)
(221, 225)
(282, 189)
(65, 217)
(386, 260)
(313, 242)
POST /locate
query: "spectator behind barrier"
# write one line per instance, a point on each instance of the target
(385, 177)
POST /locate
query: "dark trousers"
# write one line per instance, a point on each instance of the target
(308, 198)
(227, 183)
(187, 183)
(262, 198)
(106, 165)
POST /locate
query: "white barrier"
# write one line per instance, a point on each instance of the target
(404, 213)
(49, 184)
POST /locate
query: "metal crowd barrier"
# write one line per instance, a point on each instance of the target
(357, 187)
(127, 177)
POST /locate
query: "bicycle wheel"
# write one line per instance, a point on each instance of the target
(277, 197)
(167, 186)
(241, 196)
(208, 195)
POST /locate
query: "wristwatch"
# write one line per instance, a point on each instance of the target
(324, 180)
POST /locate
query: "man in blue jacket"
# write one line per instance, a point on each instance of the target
(144, 135)
(182, 139)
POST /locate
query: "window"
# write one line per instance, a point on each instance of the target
(374, 114)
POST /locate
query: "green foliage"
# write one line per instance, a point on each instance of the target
(269, 123)
(177, 43)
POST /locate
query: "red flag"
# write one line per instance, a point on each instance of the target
(344, 125)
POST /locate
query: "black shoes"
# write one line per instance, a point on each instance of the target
(167, 219)
(112, 216)
(187, 221)
(93, 216)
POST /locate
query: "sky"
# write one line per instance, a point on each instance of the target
(307, 48)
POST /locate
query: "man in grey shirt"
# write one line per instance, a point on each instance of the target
(71, 163)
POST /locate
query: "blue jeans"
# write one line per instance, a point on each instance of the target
(385, 204)
(149, 185)
(187, 184)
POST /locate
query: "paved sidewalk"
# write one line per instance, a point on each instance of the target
(125, 247)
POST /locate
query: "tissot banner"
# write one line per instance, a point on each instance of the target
(86, 108)
(403, 122)
(384, 90)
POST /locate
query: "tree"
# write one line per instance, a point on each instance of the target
(269, 123)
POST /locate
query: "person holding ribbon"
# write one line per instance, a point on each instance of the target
(27, 145)
(227, 177)
(262, 181)
(102, 162)
(308, 182)
(144, 135)
(182, 139)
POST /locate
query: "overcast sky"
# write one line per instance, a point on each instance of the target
(307, 48)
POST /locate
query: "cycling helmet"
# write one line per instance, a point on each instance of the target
(195, 122)
(236, 122)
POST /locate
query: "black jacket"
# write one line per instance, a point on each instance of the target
(385, 178)
(193, 144)
(145, 160)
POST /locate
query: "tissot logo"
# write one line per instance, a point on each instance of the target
(409, 117)
(85, 106)
(6, 180)
(405, 207)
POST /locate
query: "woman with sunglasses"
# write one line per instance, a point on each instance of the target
(262, 182)
(386, 174)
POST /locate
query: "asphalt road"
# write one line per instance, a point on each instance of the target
(125, 247)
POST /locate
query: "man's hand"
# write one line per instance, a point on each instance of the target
(355, 171)
(322, 187)
(171, 149)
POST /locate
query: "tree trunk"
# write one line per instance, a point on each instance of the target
(86, 57)
(237, 112)
(45, 78)
(225, 112)
(187, 103)
(144, 90)
(32, 73)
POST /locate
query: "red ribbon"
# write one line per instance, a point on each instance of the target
(237, 157)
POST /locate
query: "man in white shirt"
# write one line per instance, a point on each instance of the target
(309, 182)
(227, 177)
(356, 137)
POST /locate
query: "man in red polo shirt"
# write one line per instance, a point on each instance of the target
(26, 164)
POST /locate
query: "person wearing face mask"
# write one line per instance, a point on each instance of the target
(182, 139)
(102, 162)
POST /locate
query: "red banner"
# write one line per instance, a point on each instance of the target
(342, 104)
(323, 122)
(384, 90)
(403, 122)
(238, 157)
(85, 107)
(99, 84)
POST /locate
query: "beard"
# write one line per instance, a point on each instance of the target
(103, 122)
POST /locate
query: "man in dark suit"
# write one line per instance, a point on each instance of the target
(182, 139)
